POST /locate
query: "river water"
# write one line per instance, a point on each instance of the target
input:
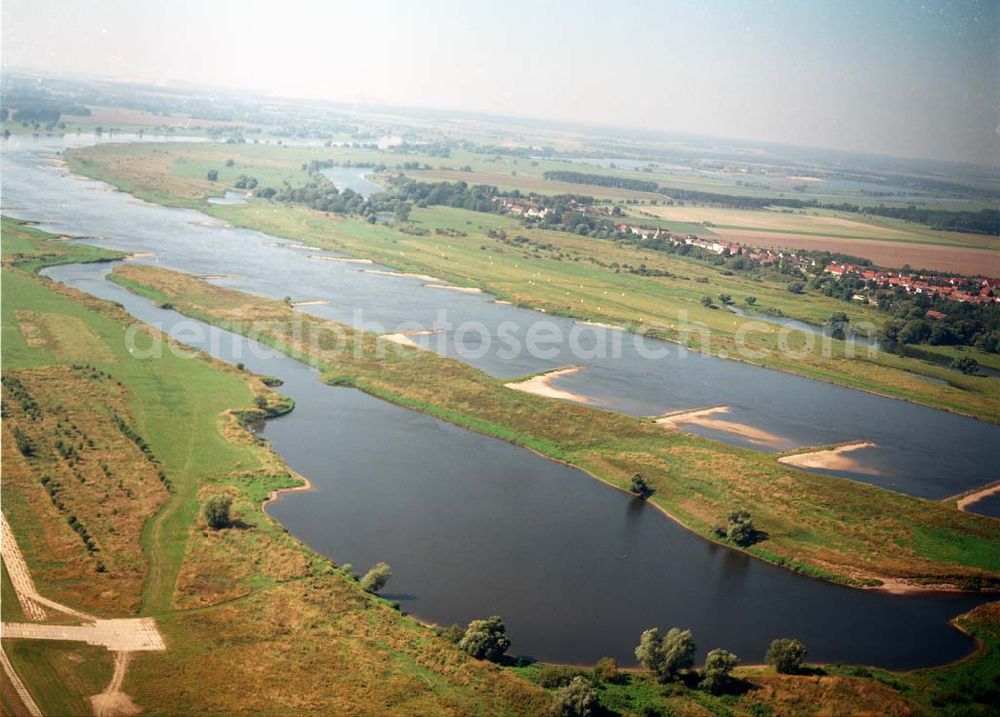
(917, 450)
(474, 526)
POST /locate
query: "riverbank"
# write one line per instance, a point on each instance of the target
(641, 303)
(696, 480)
(541, 385)
(706, 418)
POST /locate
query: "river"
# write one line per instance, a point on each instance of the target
(474, 526)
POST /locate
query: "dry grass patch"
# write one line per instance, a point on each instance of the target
(82, 471)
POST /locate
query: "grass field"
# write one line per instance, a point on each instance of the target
(817, 524)
(577, 276)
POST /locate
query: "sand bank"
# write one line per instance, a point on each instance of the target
(704, 417)
(449, 287)
(403, 337)
(835, 459)
(406, 275)
(541, 385)
(139, 255)
(340, 259)
(600, 325)
(968, 499)
(286, 245)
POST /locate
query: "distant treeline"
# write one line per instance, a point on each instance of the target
(601, 180)
(985, 221)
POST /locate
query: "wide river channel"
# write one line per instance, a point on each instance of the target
(473, 526)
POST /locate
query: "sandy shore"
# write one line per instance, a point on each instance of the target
(340, 259)
(835, 459)
(406, 275)
(968, 499)
(704, 417)
(449, 287)
(310, 302)
(139, 255)
(504, 302)
(211, 277)
(403, 337)
(600, 325)
(541, 385)
(283, 245)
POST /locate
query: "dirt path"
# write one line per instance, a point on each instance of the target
(31, 602)
(22, 692)
(113, 702)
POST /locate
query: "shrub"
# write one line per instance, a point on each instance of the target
(785, 655)
(376, 578)
(718, 666)
(216, 511)
(966, 364)
(577, 699)
(639, 486)
(606, 670)
(485, 639)
(552, 676)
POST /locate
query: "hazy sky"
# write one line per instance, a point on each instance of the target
(887, 76)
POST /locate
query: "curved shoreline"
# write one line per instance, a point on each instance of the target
(964, 500)
(485, 288)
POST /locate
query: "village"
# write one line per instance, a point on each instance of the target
(970, 289)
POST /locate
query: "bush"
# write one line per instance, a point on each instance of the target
(966, 364)
(485, 639)
(785, 655)
(213, 175)
(577, 699)
(552, 676)
(453, 633)
(216, 511)
(24, 444)
(739, 529)
(376, 578)
(639, 486)
(606, 670)
(718, 666)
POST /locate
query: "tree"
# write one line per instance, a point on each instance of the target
(739, 529)
(796, 287)
(706, 301)
(678, 653)
(216, 511)
(726, 299)
(718, 666)
(751, 300)
(966, 364)
(666, 657)
(785, 655)
(376, 578)
(485, 639)
(577, 699)
(213, 175)
(639, 486)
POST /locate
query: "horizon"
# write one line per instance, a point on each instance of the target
(869, 114)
